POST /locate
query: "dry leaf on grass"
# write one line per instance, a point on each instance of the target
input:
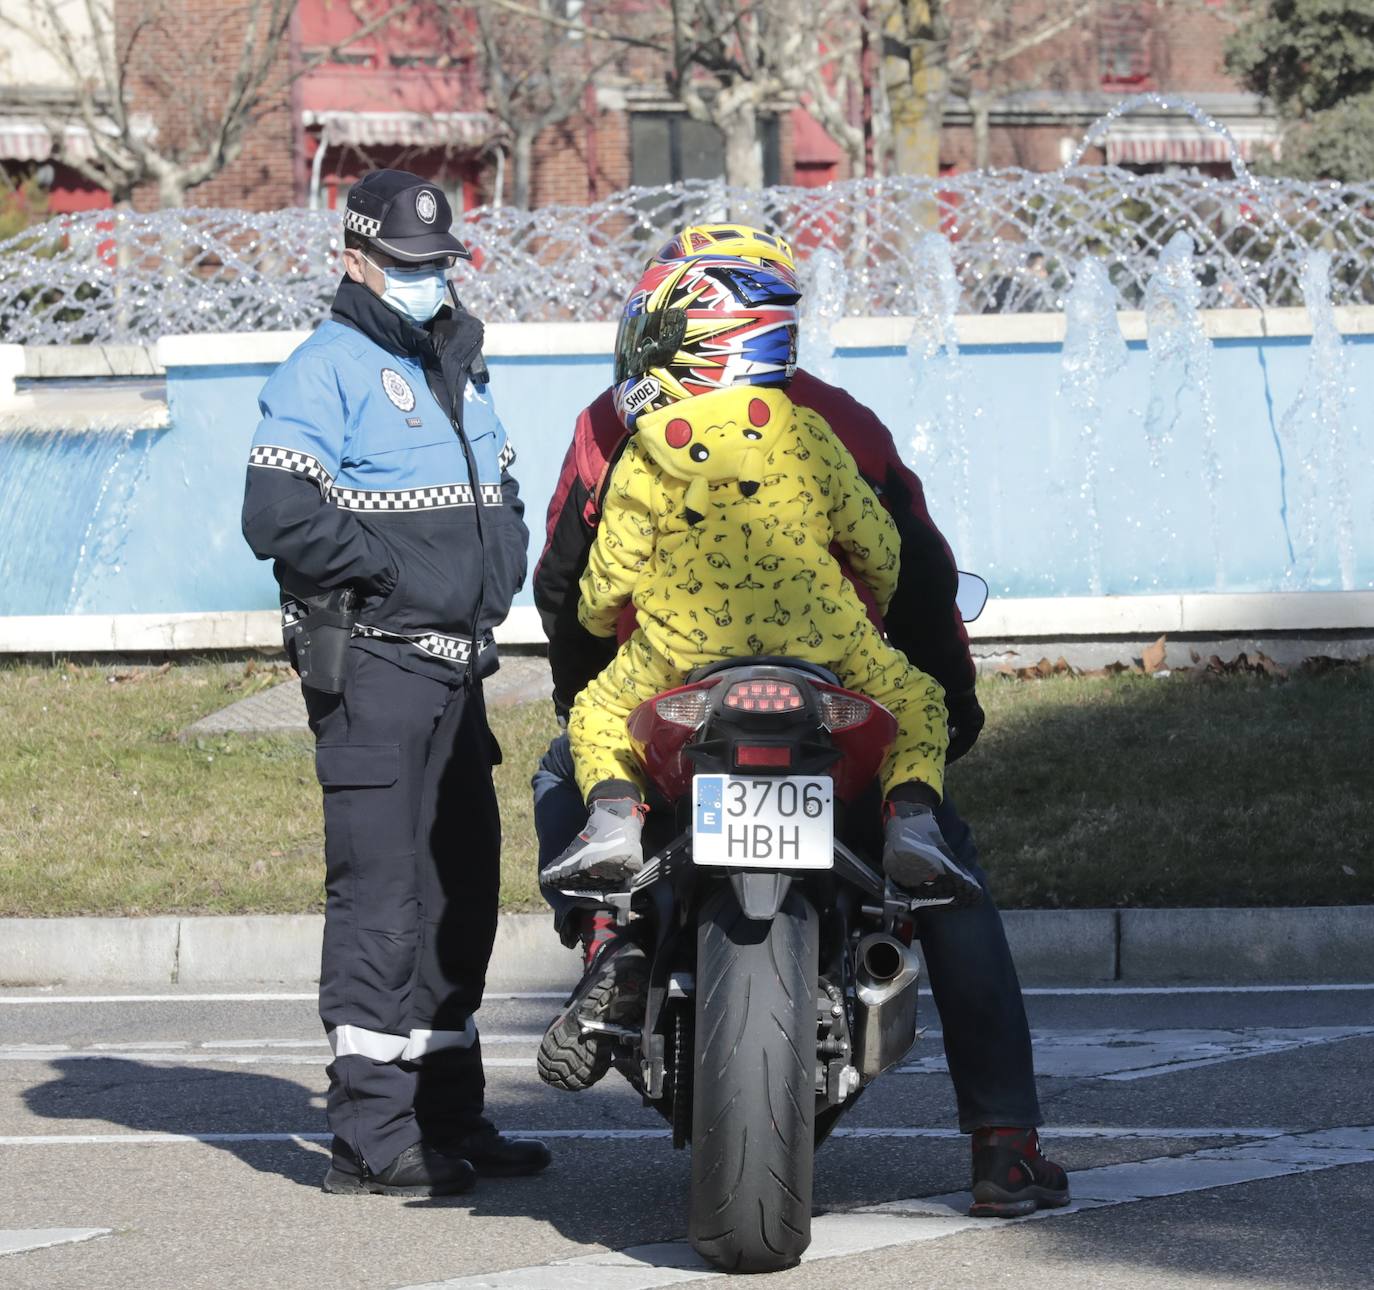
(1152, 659)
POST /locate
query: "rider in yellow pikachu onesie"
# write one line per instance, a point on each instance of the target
(718, 525)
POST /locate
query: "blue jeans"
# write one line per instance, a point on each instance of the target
(972, 976)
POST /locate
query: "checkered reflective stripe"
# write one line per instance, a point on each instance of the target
(507, 456)
(414, 499)
(456, 649)
(299, 463)
(363, 224)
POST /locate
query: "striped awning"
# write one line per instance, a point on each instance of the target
(24, 139)
(404, 129)
(1153, 142)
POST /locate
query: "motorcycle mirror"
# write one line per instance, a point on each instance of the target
(971, 597)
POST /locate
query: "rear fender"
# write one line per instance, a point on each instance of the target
(760, 894)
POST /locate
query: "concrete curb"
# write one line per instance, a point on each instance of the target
(1051, 947)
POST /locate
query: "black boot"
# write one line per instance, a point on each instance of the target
(420, 1170)
(572, 1054)
(493, 1155)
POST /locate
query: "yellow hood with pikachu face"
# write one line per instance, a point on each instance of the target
(716, 438)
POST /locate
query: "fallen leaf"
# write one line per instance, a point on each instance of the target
(1347, 870)
(1152, 659)
(258, 868)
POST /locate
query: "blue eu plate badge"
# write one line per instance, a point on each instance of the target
(710, 790)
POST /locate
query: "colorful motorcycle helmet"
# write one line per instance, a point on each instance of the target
(740, 240)
(701, 324)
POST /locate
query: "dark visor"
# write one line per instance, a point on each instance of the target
(648, 340)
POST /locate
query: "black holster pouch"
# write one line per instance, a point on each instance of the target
(318, 640)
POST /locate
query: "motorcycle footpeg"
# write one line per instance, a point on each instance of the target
(608, 1029)
(920, 902)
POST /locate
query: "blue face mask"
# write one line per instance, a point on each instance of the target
(419, 294)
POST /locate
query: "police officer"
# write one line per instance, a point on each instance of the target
(379, 484)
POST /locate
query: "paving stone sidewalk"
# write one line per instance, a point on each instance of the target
(523, 678)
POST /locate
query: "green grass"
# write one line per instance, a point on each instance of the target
(1114, 791)
(1191, 790)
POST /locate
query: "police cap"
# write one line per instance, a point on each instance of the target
(404, 215)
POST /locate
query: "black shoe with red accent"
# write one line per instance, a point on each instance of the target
(1012, 1177)
(579, 1044)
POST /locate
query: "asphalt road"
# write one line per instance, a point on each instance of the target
(1218, 1138)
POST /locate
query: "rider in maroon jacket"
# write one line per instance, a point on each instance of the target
(923, 621)
(972, 977)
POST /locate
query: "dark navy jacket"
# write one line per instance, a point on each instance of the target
(380, 463)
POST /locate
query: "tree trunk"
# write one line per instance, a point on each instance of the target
(171, 191)
(981, 107)
(916, 88)
(522, 165)
(743, 155)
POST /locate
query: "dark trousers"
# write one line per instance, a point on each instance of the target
(412, 875)
(972, 976)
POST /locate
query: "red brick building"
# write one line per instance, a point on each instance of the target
(1037, 106)
(411, 94)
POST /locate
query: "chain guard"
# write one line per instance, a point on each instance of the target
(680, 1093)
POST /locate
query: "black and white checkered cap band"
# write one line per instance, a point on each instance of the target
(364, 224)
(414, 499)
(456, 649)
(300, 463)
(507, 456)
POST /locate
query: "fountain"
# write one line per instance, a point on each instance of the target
(939, 443)
(825, 286)
(1094, 352)
(1180, 426)
(1317, 456)
(1200, 451)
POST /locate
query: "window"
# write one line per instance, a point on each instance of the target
(666, 147)
(1123, 47)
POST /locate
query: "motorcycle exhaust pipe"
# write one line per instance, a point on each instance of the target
(885, 980)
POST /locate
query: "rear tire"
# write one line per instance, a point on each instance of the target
(754, 1100)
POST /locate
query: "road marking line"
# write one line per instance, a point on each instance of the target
(42, 1238)
(1145, 1054)
(905, 1222)
(1038, 992)
(1087, 991)
(1104, 1132)
(1114, 1055)
(188, 1057)
(311, 997)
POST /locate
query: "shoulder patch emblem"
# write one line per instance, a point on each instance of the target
(397, 390)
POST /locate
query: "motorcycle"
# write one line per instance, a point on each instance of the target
(782, 980)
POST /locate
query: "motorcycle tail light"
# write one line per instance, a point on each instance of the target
(843, 711)
(764, 696)
(684, 707)
(661, 728)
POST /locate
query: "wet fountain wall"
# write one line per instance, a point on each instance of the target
(1050, 485)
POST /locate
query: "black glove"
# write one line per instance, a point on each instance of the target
(966, 721)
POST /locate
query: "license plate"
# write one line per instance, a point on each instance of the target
(782, 822)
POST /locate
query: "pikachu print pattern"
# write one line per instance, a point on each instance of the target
(719, 525)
